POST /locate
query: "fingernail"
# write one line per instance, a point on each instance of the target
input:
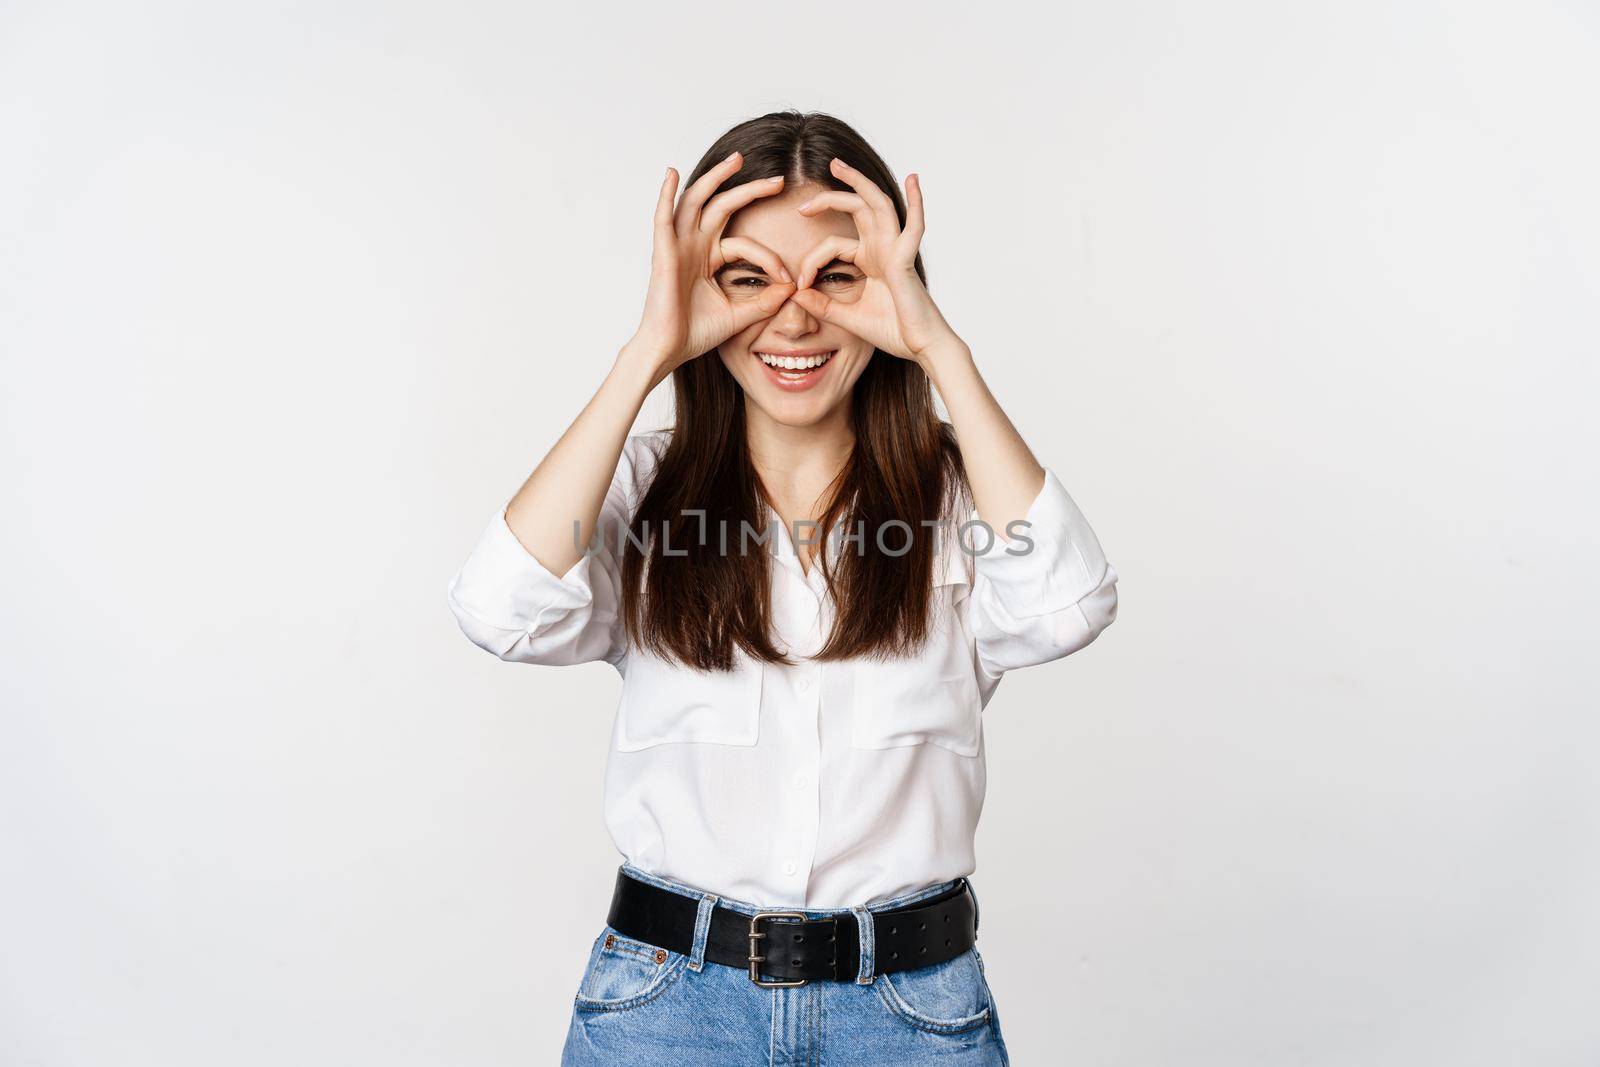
(803, 206)
(839, 161)
(731, 158)
(784, 274)
(776, 178)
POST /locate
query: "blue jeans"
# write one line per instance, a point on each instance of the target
(637, 1004)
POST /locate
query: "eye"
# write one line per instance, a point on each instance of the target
(749, 281)
(837, 277)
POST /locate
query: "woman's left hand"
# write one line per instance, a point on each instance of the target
(893, 311)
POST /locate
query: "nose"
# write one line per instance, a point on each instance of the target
(792, 320)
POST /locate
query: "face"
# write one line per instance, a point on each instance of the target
(825, 360)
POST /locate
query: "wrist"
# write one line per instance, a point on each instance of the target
(944, 357)
(639, 365)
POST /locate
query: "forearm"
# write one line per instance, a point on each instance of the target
(1004, 475)
(571, 482)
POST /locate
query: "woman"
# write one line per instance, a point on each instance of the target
(800, 726)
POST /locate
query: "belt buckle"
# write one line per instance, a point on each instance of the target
(755, 961)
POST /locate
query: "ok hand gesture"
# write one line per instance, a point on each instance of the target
(894, 310)
(686, 313)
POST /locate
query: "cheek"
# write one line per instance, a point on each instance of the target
(859, 365)
(741, 294)
(860, 351)
(737, 347)
(844, 294)
(735, 355)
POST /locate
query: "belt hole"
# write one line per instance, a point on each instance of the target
(922, 926)
(799, 938)
(833, 937)
(894, 930)
(894, 955)
(921, 950)
(947, 942)
(947, 918)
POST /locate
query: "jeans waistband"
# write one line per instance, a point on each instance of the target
(750, 908)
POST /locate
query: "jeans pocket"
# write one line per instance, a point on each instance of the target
(623, 973)
(945, 998)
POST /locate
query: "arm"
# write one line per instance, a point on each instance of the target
(1033, 602)
(1049, 591)
(570, 483)
(1004, 475)
(686, 315)
(895, 313)
(511, 604)
(526, 592)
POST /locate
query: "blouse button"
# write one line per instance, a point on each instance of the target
(805, 683)
(789, 868)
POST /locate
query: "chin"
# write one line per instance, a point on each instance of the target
(794, 412)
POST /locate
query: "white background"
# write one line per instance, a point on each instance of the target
(1298, 299)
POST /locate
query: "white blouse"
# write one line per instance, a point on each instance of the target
(826, 784)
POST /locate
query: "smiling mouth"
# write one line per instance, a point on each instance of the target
(795, 368)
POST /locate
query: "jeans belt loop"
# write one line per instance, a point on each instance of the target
(702, 931)
(864, 973)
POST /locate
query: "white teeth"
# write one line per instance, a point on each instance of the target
(794, 362)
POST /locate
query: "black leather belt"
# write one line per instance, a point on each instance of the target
(782, 948)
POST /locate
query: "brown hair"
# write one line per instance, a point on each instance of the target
(701, 601)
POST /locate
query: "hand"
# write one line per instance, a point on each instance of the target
(686, 313)
(894, 311)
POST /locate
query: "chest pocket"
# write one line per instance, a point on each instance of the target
(665, 702)
(931, 697)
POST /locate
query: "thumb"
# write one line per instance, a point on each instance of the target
(824, 307)
(765, 306)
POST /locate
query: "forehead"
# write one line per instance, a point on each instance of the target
(774, 222)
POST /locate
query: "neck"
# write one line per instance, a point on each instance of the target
(796, 463)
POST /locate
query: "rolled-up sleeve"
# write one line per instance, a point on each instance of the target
(510, 604)
(1044, 593)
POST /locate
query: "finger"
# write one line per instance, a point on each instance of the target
(821, 306)
(731, 248)
(849, 203)
(868, 189)
(768, 304)
(830, 249)
(915, 224)
(669, 189)
(716, 213)
(662, 223)
(688, 215)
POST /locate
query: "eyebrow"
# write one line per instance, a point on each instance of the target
(739, 264)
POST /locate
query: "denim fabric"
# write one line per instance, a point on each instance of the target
(637, 1004)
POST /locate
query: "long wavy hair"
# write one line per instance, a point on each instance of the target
(699, 602)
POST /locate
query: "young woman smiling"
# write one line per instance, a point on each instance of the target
(796, 766)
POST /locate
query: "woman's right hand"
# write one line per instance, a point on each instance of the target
(686, 312)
